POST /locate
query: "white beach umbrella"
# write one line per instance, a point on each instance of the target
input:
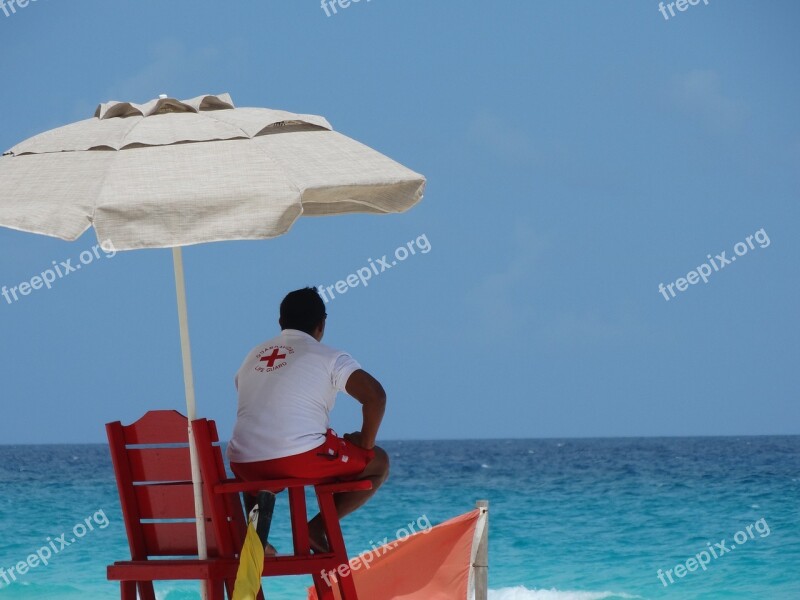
(172, 173)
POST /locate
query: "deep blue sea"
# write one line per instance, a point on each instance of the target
(585, 519)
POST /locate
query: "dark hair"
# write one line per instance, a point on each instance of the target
(303, 310)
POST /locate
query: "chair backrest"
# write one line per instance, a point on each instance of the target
(154, 477)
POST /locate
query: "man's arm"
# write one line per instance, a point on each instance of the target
(369, 392)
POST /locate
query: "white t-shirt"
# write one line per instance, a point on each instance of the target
(287, 388)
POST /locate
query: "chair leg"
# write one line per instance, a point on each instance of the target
(216, 589)
(230, 584)
(347, 587)
(330, 520)
(333, 531)
(146, 591)
(299, 516)
(324, 590)
(127, 590)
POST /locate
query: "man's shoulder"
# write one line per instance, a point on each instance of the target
(330, 351)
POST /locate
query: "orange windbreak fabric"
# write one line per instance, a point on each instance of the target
(429, 565)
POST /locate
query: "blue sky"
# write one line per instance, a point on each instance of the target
(578, 154)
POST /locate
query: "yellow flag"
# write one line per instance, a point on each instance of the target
(251, 564)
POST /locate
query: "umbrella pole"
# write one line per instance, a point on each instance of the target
(191, 410)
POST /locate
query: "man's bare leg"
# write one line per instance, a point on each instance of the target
(346, 502)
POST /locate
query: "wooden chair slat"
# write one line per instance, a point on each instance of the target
(166, 501)
(175, 539)
(160, 464)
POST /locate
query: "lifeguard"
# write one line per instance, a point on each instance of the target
(287, 388)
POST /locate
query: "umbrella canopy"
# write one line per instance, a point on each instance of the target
(174, 173)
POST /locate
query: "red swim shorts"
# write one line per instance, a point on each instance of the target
(336, 458)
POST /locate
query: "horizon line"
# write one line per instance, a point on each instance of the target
(487, 439)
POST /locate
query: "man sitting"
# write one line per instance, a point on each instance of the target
(287, 387)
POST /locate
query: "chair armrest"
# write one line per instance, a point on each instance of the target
(230, 486)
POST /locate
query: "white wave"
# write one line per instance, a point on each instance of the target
(523, 593)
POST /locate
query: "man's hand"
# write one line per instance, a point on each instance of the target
(357, 439)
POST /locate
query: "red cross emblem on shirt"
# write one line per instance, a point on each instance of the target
(270, 360)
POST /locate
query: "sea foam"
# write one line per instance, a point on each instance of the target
(523, 593)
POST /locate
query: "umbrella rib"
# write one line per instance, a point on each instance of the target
(244, 133)
(283, 170)
(100, 194)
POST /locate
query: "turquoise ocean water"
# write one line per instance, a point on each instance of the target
(569, 519)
